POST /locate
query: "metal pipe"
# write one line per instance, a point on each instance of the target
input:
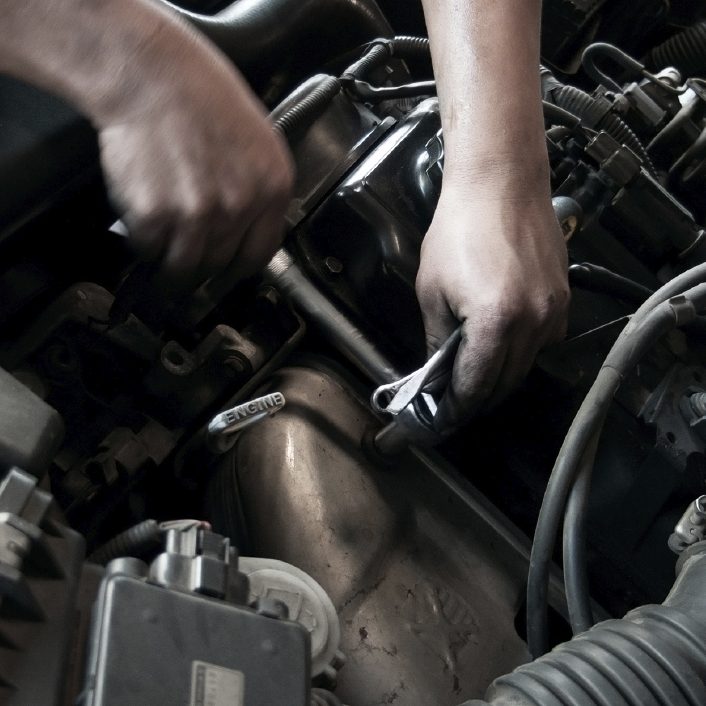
(283, 273)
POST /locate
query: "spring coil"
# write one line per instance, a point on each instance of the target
(304, 112)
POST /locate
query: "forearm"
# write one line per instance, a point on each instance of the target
(486, 57)
(105, 56)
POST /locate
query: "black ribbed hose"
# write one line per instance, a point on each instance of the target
(406, 46)
(595, 116)
(307, 108)
(685, 51)
(654, 656)
(376, 56)
(381, 50)
(308, 101)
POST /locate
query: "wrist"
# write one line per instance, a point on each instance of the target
(146, 60)
(497, 176)
(111, 58)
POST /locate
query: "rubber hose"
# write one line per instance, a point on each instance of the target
(306, 110)
(376, 56)
(685, 51)
(686, 280)
(578, 594)
(574, 535)
(132, 542)
(651, 320)
(654, 656)
(407, 46)
(559, 116)
(588, 109)
(586, 275)
(262, 36)
(554, 503)
(402, 46)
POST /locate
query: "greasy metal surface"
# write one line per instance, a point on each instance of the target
(427, 590)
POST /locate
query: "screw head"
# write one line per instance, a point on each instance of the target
(333, 265)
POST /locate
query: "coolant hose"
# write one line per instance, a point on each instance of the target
(654, 656)
(685, 51)
(595, 116)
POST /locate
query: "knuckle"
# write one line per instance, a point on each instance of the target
(146, 208)
(420, 285)
(497, 317)
(147, 227)
(552, 305)
(235, 202)
(427, 293)
(200, 208)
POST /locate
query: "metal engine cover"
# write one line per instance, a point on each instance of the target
(426, 579)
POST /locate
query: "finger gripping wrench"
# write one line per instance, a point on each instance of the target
(394, 397)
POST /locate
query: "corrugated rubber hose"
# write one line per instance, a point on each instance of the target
(685, 51)
(654, 656)
(592, 114)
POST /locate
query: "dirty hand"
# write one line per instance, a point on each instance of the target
(494, 261)
(189, 156)
(194, 165)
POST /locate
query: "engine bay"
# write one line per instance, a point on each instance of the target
(332, 554)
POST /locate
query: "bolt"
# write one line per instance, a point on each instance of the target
(333, 265)
(235, 363)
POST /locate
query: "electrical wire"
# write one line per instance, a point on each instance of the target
(656, 316)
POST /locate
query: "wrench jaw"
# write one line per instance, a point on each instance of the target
(381, 399)
(411, 402)
(413, 425)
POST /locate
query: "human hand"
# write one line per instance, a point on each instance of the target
(497, 264)
(192, 162)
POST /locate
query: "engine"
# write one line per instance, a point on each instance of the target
(334, 555)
